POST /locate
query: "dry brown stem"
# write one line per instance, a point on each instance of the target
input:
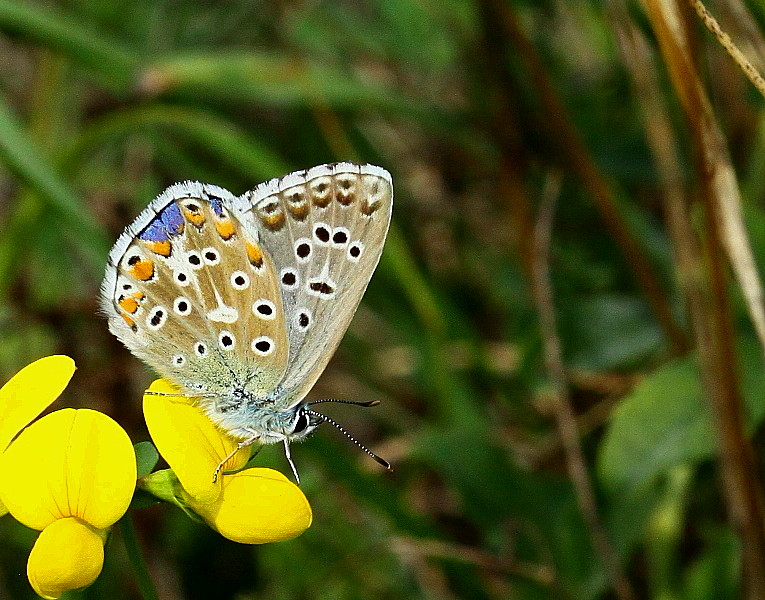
(576, 157)
(564, 414)
(706, 283)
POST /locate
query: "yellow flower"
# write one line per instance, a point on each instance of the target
(68, 555)
(70, 474)
(254, 506)
(71, 463)
(28, 393)
(257, 506)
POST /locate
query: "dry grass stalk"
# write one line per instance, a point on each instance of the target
(708, 295)
(564, 413)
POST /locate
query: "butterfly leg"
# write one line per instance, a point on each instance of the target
(239, 446)
(289, 460)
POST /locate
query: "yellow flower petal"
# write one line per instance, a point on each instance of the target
(31, 391)
(189, 442)
(70, 463)
(68, 555)
(257, 506)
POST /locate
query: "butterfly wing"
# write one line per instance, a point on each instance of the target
(190, 291)
(325, 229)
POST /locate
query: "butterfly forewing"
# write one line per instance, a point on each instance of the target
(191, 291)
(325, 229)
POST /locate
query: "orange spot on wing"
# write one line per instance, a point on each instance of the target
(143, 270)
(161, 248)
(129, 321)
(195, 219)
(274, 222)
(254, 255)
(225, 229)
(299, 212)
(129, 305)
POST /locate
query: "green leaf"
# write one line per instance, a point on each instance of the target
(21, 156)
(609, 331)
(243, 152)
(717, 572)
(666, 421)
(146, 456)
(76, 39)
(275, 79)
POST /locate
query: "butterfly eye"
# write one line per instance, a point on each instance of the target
(300, 423)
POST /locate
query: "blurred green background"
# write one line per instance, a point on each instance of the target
(479, 109)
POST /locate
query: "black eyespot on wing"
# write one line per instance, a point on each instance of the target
(289, 278)
(322, 287)
(322, 233)
(340, 237)
(303, 250)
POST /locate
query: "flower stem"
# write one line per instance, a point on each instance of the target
(135, 556)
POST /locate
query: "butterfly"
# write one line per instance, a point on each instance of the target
(241, 301)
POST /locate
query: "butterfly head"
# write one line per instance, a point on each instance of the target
(304, 424)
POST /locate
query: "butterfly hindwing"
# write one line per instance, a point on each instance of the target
(325, 229)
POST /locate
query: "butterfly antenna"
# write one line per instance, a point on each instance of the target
(342, 430)
(289, 460)
(179, 395)
(365, 404)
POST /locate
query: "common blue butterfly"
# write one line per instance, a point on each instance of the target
(242, 300)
